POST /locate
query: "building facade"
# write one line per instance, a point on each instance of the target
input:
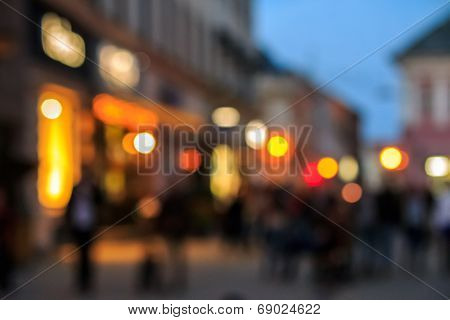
(426, 99)
(78, 76)
(324, 126)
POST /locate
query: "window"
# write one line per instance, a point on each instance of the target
(426, 97)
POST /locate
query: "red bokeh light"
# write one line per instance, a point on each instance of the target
(190, 159)
(311, 175)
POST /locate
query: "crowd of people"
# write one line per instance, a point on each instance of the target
(343, 241)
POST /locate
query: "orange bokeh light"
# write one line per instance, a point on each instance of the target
(117, 112)
(405, 161)
(327, 167)
(351, 192)
(190, 160)
(128, 143)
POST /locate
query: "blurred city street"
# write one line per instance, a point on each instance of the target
(224, 149)
(215, 273)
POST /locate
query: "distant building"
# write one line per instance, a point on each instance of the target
(426, 103)
(285, 99)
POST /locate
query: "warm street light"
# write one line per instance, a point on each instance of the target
(390, 158)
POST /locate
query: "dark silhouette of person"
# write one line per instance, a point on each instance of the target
(174, 225)
(415, 223)
(388, 211)
(82, 215)
(233, 221)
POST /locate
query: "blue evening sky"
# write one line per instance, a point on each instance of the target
(320, 38)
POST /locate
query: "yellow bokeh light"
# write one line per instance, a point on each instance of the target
(144, 142)
(57, 146)
(225, 179)
(51, 108)
(348, 169)
(390, 158)
(226, 117)
(327, 168)
(256, 134)
(437, 166)
(277, 146)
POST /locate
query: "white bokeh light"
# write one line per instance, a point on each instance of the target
(144, 142)
(256, 134)
(51, 109)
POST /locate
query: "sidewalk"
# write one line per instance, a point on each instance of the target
(215, 276)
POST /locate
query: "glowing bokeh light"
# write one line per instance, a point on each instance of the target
(390, 158)
(190, 160)
(118, 66)
(348, 169)
(351, 192)
(60, 43)
(118, 112)
(311, 176)
(437, 166)
(144, 142)
(327, 167)
(149, 207)
(226, 117)
(404, 163)
(57, 144)
(128, 143)
(51, 108)
(225, 179)
(256, 134)
(277, 146)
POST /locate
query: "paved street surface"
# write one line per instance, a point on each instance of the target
(214, 272)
